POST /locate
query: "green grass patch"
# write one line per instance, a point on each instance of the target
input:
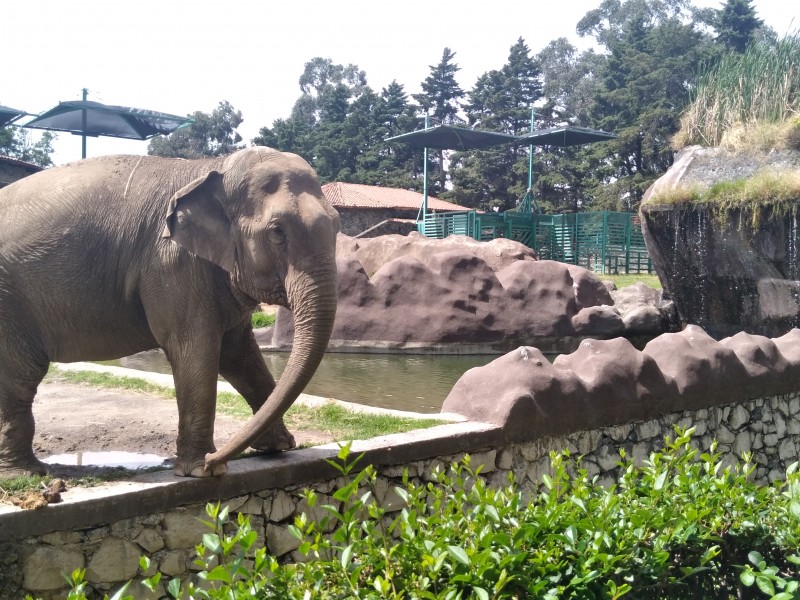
(331, 418)
(262, 319)
(622, 281)
(345, 425)
(106, 380)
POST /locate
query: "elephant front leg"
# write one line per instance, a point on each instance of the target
(196, 391)
(242, 365)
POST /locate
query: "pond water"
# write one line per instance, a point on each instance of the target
(412, 382)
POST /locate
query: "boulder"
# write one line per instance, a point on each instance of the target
(727, 269)
(375, 252)
(602, 321)
(702, 368)
(459, 295)
(609, 382)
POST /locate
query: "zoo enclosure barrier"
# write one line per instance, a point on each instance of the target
(602, 241)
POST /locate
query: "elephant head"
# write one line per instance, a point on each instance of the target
(262, 217)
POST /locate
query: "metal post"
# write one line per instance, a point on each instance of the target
(83, 124)
(530, 159)
(425, 177)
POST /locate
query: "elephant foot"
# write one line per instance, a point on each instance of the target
(275, 439)
(197, 468)
(31, 466)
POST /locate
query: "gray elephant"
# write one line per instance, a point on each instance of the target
(110, 256)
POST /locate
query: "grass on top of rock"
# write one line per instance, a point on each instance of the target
(778, 192)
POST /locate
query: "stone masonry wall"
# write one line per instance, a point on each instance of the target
(109, 550)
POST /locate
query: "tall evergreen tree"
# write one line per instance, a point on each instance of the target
(501, 100)
(655, 50)
(440, 98)
(736, 23)
(563, 177)
(392, 165)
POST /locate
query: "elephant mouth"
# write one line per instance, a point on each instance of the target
(271, 291)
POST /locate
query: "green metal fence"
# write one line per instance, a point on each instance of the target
(603, 242)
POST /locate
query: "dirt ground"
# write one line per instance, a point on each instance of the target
(74, 417)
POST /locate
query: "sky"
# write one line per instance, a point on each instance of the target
(181, 56)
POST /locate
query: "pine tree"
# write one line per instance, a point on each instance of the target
(440, 100)
(501, 101)
(736, 22)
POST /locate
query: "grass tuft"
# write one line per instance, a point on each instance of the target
(746, 100)
(622, 281)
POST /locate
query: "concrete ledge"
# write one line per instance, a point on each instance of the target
(162, 491)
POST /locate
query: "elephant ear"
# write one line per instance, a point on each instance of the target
(197, 221)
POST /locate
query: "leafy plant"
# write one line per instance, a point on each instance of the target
(682, 525)
(262, 319)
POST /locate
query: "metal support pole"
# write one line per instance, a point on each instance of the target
(425, 178)
(83, 124)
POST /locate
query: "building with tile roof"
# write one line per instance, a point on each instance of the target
(12, 169)
(370, 210)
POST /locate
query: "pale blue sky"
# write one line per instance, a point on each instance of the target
(179, 56)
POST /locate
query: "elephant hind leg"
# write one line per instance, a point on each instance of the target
(17, 425)
(242, 365)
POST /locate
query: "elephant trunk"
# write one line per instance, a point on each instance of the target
(313, 304)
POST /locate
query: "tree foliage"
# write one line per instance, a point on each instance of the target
(339, 125)
(17, 142)
(635, 83)
(501, 101)
(211, 134)
(736, 23)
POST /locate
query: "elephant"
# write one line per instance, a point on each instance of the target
(109, 256)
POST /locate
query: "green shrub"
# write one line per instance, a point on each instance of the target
(680, 526)
(261, 319)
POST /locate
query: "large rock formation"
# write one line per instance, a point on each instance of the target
(726, 270)
(457, 295)
(607, 382)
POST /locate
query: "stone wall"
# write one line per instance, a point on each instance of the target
(167, 529)
(354, 221)
(733, 269)
(605, 398)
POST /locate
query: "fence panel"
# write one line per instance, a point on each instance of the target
(603, 242)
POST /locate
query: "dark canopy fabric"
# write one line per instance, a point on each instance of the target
(566, 135)
(453, 138)
(9, 115)
(84, 117)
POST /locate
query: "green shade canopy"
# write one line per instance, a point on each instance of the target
(87, 118)
(453, 138)
(9, 115)
(565, 135)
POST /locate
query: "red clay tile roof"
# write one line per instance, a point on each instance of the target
(356, 195)
(30, 167)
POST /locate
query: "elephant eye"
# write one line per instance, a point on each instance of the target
(276, 234)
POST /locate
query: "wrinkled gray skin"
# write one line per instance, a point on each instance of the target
(107, 257)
